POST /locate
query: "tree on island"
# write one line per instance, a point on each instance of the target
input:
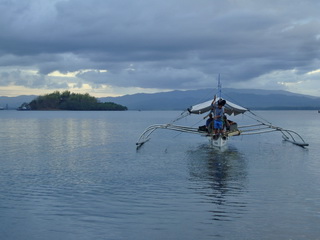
(72, 101)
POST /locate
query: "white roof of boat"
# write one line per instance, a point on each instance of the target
(229, 108)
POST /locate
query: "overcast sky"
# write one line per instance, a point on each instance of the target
(117, 47)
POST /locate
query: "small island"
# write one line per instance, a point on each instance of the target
(70, 101)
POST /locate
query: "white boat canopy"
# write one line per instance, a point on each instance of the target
(229, 108)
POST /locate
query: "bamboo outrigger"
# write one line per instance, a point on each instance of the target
(288, 135)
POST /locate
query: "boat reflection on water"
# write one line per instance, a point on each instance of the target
(220, 177)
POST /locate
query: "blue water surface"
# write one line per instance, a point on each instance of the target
(78, 175)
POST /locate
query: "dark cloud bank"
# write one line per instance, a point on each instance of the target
(180, 44)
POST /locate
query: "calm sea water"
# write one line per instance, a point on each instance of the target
(77, 175)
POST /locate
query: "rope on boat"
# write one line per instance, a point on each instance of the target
(256, 116)
(261, 119)
(182, 115)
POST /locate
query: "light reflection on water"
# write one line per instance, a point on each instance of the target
(222, 178)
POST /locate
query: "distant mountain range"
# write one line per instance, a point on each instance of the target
(15, 102)
(249, 98)
(180, 100)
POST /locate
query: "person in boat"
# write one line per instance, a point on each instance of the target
(209, 123)
(218, 111)
(212, 106)
(226, 124)
(218, 116)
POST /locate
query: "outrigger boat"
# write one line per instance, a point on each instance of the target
(219, 141)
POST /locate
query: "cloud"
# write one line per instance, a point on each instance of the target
(29, 79)
(148, 77)
(148, 44)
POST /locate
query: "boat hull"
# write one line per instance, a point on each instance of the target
(219, 141)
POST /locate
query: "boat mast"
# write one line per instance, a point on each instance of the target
(219, 86)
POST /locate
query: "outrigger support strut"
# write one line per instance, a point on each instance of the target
(288, 135)
(148, 131)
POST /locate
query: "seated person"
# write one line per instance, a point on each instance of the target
(226, 124)
(209, 123)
